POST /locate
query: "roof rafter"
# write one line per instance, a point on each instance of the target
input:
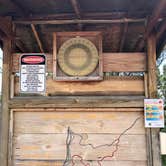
(155, 16)
(37, 38)
(20, 46)
(94, 15)
(162, 29)
(76, 8)
(5, 30)
(76, 21)
(152, 22)
(125, 29)
(77, 11)
(27, 12)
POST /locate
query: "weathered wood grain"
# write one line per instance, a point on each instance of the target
(40, 137)
(152, 89)
(112, 62)
(60, 163)
(4, 121)
(128, 62)
(53, 147)
(78, 102)
(57, 122)
(80, 110)
(109, 86)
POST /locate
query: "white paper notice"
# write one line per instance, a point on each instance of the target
(154, 113)
(32, 69)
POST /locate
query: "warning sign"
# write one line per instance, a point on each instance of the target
(33, 73)
(154, 113)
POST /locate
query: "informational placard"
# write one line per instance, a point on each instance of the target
(32, 73)
(154, 113)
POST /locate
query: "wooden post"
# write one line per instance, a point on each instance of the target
(4, 135)
(152, 89)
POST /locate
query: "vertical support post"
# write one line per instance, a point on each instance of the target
(4, 135)
(152, 89)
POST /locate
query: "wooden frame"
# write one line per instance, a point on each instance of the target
(59, 38)
(117, 103)
(154, 145)
(4, 135)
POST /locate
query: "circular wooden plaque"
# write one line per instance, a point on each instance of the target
(78, 57)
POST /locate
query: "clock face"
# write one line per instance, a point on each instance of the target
(78, 57)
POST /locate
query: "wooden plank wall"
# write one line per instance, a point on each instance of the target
(110, 86)
(115, 62)
(39, 137)
(105, 111)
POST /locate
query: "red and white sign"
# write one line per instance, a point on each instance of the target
(33, 59)
(33, 73)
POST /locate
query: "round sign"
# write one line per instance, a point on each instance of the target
(78, 57)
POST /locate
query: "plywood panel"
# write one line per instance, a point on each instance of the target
(53, 146)
(40, 137)
(109, 86)
(51, 122)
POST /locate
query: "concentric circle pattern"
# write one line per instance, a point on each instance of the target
(78, 57)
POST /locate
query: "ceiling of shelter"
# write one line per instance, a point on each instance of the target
(117, 36)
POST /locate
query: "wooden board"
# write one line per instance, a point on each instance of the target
(128, 62)
(53, 147)
(117, 62)
(109, 86)
(4, 120)
(40, 122)
(60, 163)
(39, 138)
(77, 102)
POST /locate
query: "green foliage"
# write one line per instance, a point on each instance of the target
(162, 83)
(162, 94)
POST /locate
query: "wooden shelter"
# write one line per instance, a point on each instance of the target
(103, 120)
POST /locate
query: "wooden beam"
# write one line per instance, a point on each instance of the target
(152, 89)
(161, 30)
(94, 15)
(20, 46)
(4, 135)
(2, 35)
(156, 14)
(77, 21)
(161, 6)
(125, 29)
(5, 27)
(37, 38)
(76, 8)
(77, 102)
(152, 70)
(140, 44)
(124, 62)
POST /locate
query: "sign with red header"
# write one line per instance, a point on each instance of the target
(33, 73)
(33, 59)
